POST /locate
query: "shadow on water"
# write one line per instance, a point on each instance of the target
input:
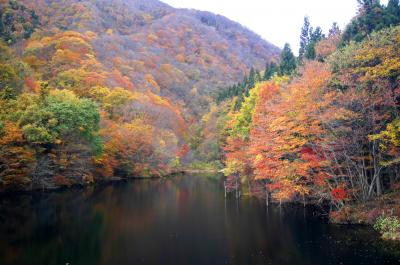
(179, 220)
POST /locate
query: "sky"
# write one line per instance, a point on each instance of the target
(278, 21)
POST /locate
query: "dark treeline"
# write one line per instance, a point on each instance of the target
(240, 90)
(373, 16)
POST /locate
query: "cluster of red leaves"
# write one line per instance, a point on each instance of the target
(339, 193)
(183, 151)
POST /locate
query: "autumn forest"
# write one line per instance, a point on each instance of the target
(98, 91)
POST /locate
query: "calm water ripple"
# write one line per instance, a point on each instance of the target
(181, 220)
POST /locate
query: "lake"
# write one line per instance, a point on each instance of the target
(173, 221)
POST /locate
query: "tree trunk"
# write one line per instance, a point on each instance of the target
(378, 186)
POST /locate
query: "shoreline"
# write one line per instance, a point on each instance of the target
(100, 181)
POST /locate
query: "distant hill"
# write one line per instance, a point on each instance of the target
(184, 55)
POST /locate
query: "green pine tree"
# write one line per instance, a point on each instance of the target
(252, 78)
(288, 61)
(304, 37)
(392, 13)
(315, 37)
(270, 70)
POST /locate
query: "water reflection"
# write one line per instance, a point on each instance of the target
(180, 220)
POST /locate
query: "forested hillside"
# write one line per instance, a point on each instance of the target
(323, 128)
(96, 90)
(184, 55)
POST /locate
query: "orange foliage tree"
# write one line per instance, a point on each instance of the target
(289, 136)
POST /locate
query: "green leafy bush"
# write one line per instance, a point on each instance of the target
(59, 117)
(388, 226)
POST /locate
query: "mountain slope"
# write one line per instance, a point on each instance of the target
(184, 55)
(95, 89)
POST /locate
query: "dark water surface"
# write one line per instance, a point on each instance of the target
(180, 220)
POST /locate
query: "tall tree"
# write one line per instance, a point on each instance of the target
(270, 70)
(288, 61)
(392, 14)
(308, 39)
(252, 77)
(315, 37)
(304, 37)
(334, 30)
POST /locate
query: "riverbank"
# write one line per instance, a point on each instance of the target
(383, 213)
(54, 184)
(367, 213)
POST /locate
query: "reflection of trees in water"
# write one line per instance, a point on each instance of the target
(49, 228)
(267, 239)
(180, 220)
(141, 212)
